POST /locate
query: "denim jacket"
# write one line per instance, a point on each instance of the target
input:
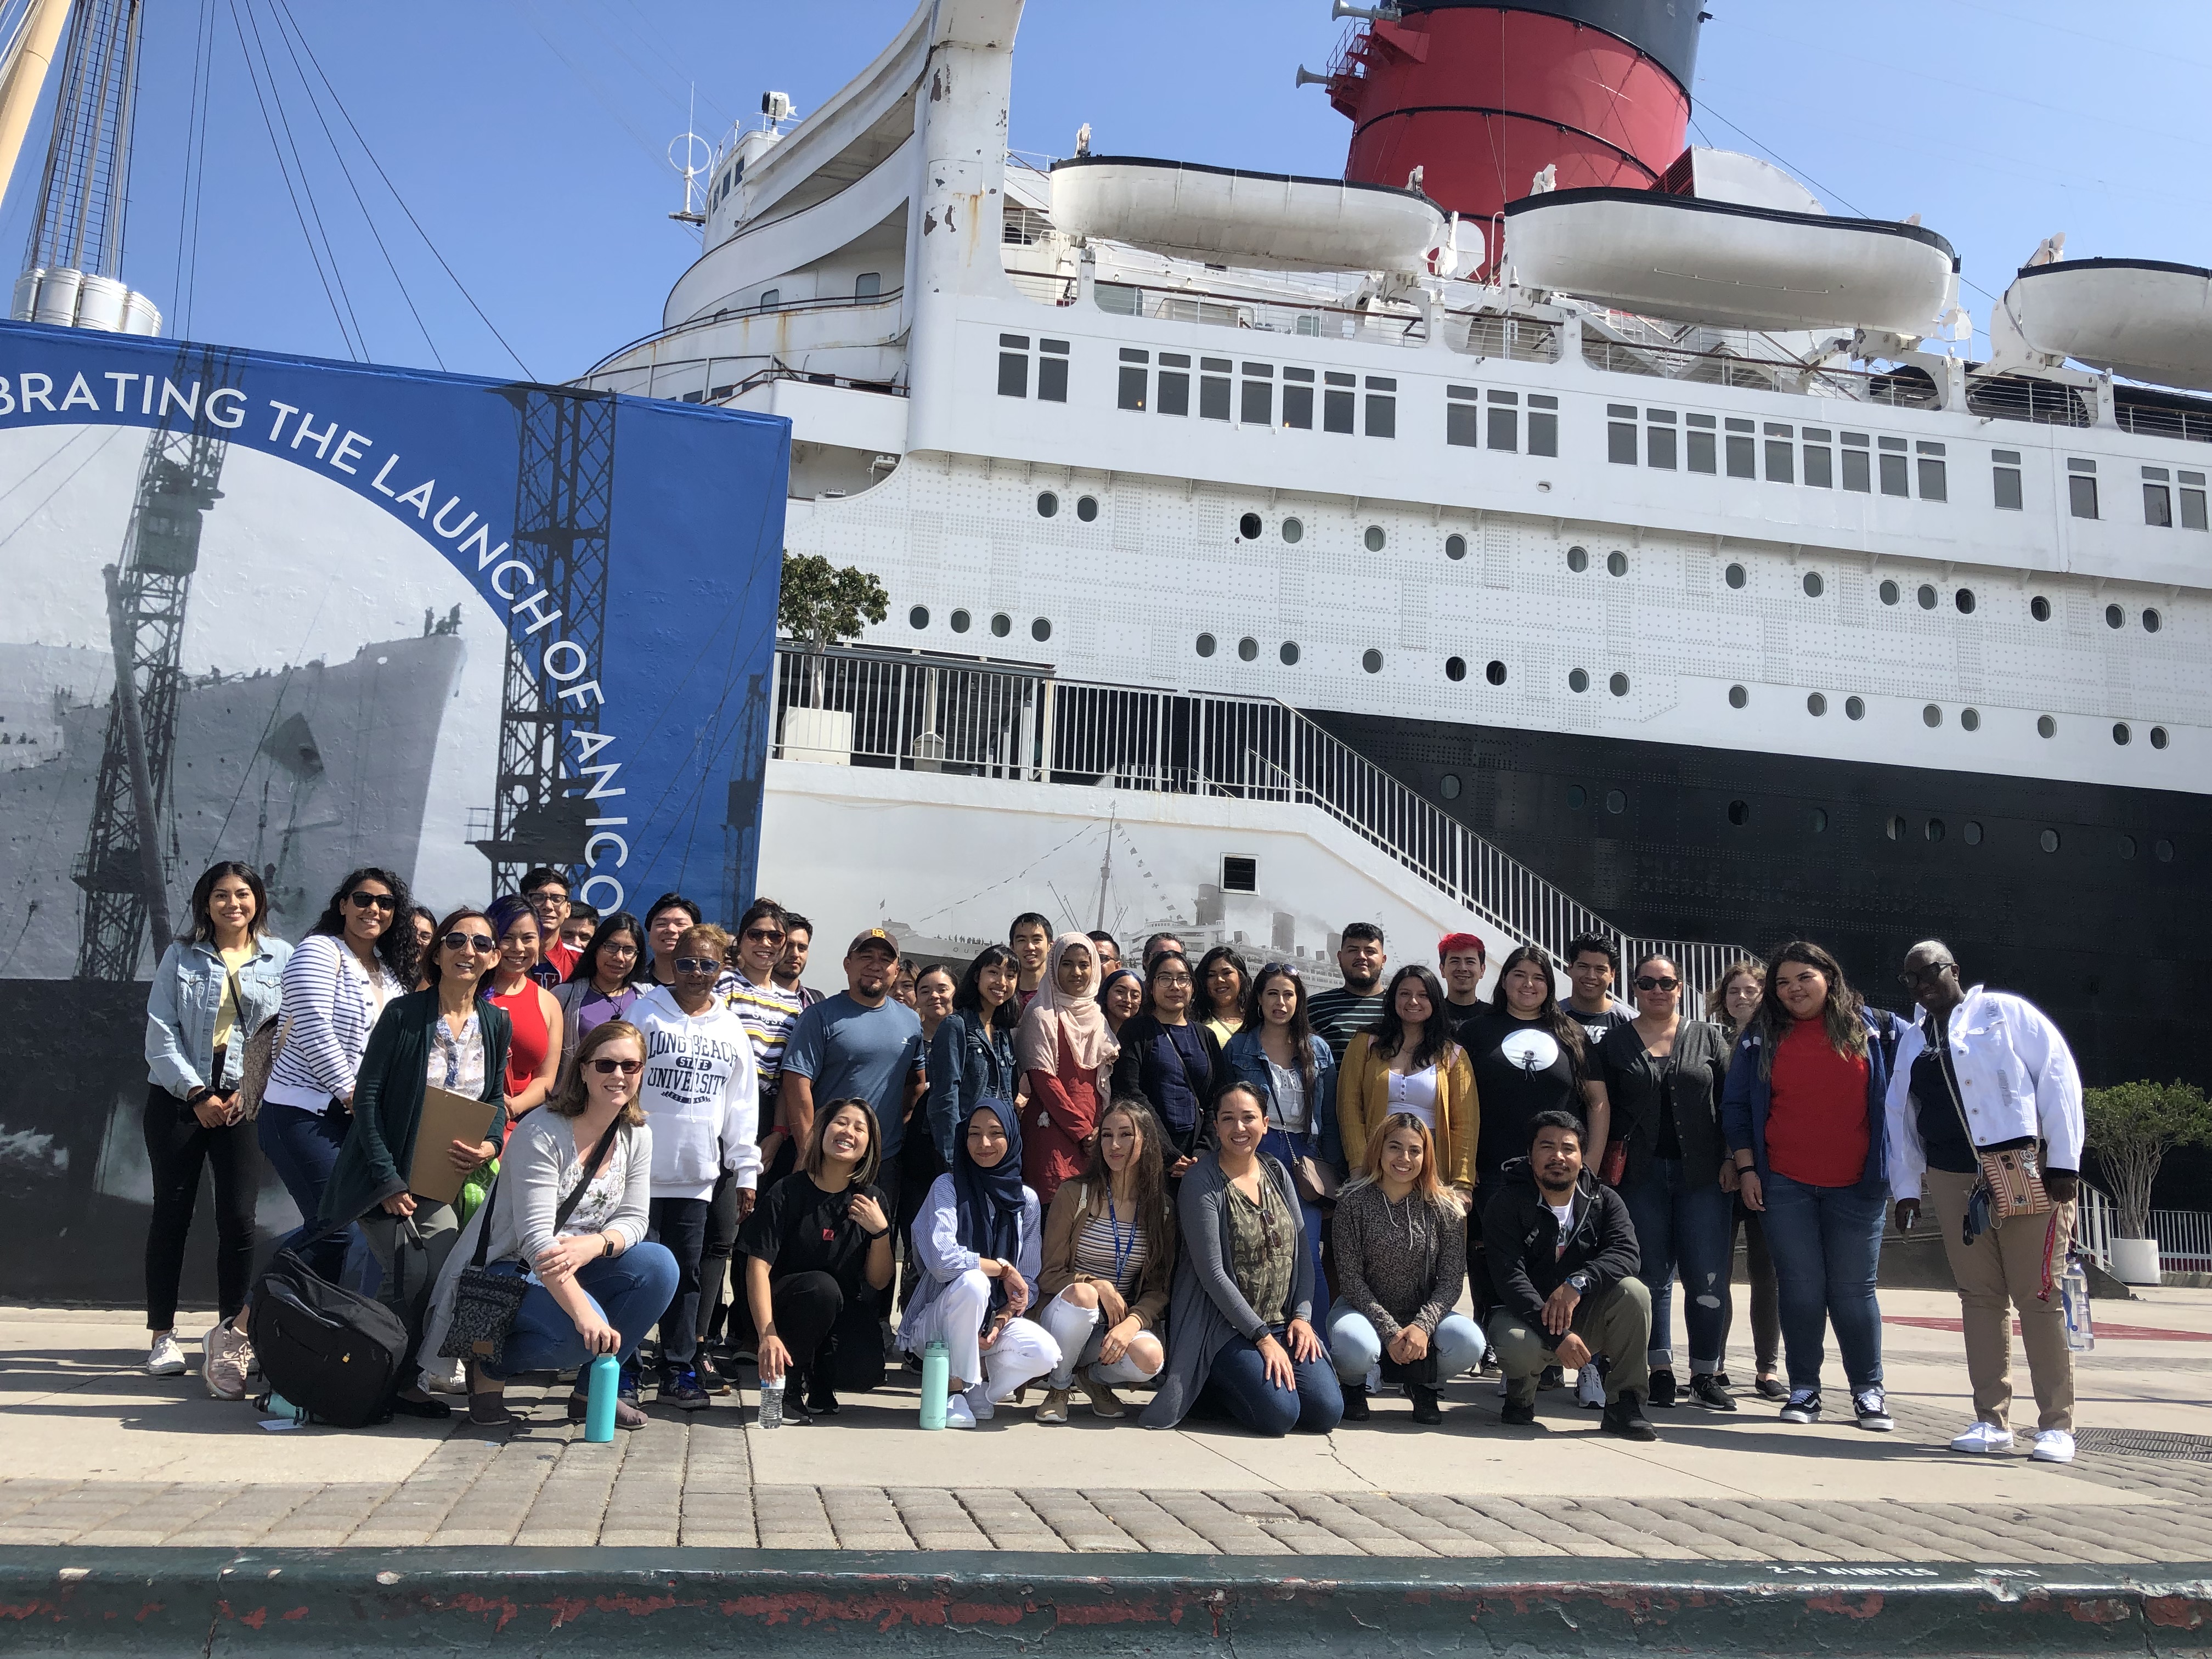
(1245, 1061)
(965, 1069)
(1747, 1097)
(181, 1006)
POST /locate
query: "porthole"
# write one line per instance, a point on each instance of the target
(1375, 539)
(1820, 820)
(1972, 830)
(1895, 828)
(1495, 673)
(1739, 813)
(1616, 563)
(2039, 608)
(1734, 576)
(1578, 680)
(1001, 625)
(1927, 596)
(1887, 592)
(1288, 652)
(1578, 559)
(1450, 789)
(2162, 850)
(1931, 716)
(961, 621)
(1455, 669)
(1970, 719)
(1086, 508)
(1615, 801)
(2048, 840)
(1371, 660)
(2115, 617)
(1964, 598)
(1206, 645)
(2045, 727)
(1617, 685)
(1249, 527)
(2127, 847)
(1293, 531)
(1739, 696)
(1454, 547)
(1814, 586)
(1040, 630)
(1048, 504)
(1934, 831)
(1578, 796)
(1855, 708)
(2153, 622)
(1248, 648)
(2121, 735)
(918, 617)
(1816, 704)
(2158, 737)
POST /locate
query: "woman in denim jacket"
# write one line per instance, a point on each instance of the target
(1277, 1054)
(212, 991)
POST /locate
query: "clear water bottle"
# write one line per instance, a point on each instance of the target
(771, 1403)
(2074, 1295)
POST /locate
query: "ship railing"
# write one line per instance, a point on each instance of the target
(969, 717)
(1904, 388)
(612, 362)
(2158, 421)
(1315, 319)
(1496, 334)
(2024, 398)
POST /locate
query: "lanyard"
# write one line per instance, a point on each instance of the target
(1121, 1252)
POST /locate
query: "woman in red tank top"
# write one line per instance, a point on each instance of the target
(533, 1052)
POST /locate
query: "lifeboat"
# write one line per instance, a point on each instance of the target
(1268, 221)
(2139, 318)
(1729, 263)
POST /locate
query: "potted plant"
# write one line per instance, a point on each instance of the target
(2132, 1127)
(819, 604)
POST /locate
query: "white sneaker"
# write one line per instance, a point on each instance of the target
(979, 1403)
(1589, 1387)
(1984, 1438)
(444, 1377)
(225, 1357)
(165, 1357)
(2053, 1446)
(957, 1413)
(1373, 1382)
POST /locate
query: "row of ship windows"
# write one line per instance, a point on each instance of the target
(1002, 625)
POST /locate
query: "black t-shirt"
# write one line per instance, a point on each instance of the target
(798, 1228)
(1942, 1136)
(1595, 1026)
(1520, 1069)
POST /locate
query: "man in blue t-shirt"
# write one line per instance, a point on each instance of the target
(857, 1045)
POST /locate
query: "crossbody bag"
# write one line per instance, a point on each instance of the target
(2013, 1176)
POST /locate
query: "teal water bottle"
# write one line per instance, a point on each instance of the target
(599, 1408)
(936, 1382)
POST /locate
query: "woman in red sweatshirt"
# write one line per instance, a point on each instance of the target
(1064, 1047)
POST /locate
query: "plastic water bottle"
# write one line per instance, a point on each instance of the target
(936, 1383)
(2074, 1296)
(605, 1385)
(771, 1402)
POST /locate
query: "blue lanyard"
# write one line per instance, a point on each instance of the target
(1121, 1252)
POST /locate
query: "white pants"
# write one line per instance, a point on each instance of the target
(1023, 1353)
(1081, 1333)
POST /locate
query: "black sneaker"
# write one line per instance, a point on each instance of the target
(1355, 1403)
(1426, 1406)
(1804, 1406)
(822, 1398)
(1872, 1411)
(1625, 1416)
(679, 1387)
(1722, 1377)
(1553, 1377)
(1517, 1413)
(1772, 1387)
(711, 1379)
(1664, 1389)
(1712, 1393)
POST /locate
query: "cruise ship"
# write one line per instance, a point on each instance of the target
(1581, 525)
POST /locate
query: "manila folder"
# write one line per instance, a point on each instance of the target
(446, 1117)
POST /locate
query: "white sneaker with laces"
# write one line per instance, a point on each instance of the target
(979, 1403)
(225, 1355)
(1872, 1412)
(2053, 1446)
(1589, 1387)
(1984, 1438)
(957, 1414)
(165, 1357)
(444, 1377)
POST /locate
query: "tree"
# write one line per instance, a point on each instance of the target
(822, 603)
(2132, 1127)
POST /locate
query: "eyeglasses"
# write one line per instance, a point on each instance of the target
(458, 941)
(1648, 983)
(697, 965)
(365, 900)
(608, 1067)
(547, 895)
(763, 935)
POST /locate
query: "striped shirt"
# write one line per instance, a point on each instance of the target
(1094, 1252)
(330, 1004)
(1340, 1015)
(767, 1013)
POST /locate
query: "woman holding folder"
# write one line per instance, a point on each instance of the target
(436, 1055)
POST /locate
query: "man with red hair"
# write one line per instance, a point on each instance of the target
(1463, 960)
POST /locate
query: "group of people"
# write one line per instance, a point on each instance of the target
(1084, 1174)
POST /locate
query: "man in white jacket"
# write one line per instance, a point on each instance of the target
(701, 1097)
(1984, 1071)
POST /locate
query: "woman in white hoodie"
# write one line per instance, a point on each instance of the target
(701, 1100)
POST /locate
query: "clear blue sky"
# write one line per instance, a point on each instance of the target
(528, 137)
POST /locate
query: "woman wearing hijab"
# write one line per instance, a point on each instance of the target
(978, 1243)
(1065, 1049)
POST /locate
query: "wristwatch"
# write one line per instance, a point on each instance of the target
(1581, 1282)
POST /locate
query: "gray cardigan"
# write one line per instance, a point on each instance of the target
(1205, 1308)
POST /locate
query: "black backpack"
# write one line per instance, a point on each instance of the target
(334, 1354)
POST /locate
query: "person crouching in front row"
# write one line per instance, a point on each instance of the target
(1563, 1264)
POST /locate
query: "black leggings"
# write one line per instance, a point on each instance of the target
(828, 1342)
(177, 1143)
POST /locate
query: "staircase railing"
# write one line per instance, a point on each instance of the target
(912, 711)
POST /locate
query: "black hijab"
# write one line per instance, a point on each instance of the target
(989, 1202)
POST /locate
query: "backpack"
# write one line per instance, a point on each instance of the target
(334, 1354)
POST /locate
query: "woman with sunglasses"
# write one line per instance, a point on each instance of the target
(1729, 1005)
(446, 1038)
(609, 975)
(1170, 1060)
(533, 1059)
(599, 1283)
(1223, 980)
(1663, 1076)
(1277, 1056)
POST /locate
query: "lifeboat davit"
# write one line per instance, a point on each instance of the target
(2144, 318)
(1730, 265)
(1270, 220)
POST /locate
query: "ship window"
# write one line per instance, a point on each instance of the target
(1578, 680)
(1734, 575)
(1739, 813)
(1288, 652)
(919, 617)
(1543, 425)
(1249, 526)
(2082, 488)
(1174, 388)
(1578, 559)
(1451, 786)
(1455, 669)
(1964, 598)
(1621, 434)
(1893, 479)
(1134, 376)
(1819, 461)
(1297, 405)
(1933, 474)
(1040, 630)
(1382, 407)
(1337, 405)
(2048, 840)
(1970, 719)
(1086, 507)
(960, 621)
(1814, 586)
(868, 285)
(2164, 850)
(770, 297)
(1934, 829)
(2153, 622)
(1616, 563)
(1742, 454)
(1854, 708)
(1701, 456)
(2158, 737)
(2045, 727)
(1463, 418)
(1246, 648)
(1617, 685)
(1888, 591)
(1820, 821)
(1052, 372)
(1781, 455)
(1293, 531)
(1577, 798)
(2192, 501)
(1495, 673)
(1816, 705)
(1213, 389)
(2115, 617)
(1659, 446)
(1048, 504)
(2127, 846)
(1013, 367)
(1121, 299)
(1927, 596)
(2039, 608)
(1739, 696)
(2158, 499)
(1895, 828)
(1371, 660)
(1615, 801)
(1972, 832)
(1001, 625)
(1454, 547)
(1502, 429)
(1258, 408)
(2121, 735)
(1375, 539)
(2005, 480)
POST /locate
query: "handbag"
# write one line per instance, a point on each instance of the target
(485, 1302)
(1316, 1182)
(258, 1060)
(2012, 1176)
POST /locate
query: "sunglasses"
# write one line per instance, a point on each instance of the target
(458, 941)
(368, 901)
(1648, 983)
(609, 1067)
(763, 935)
(697, 965)
(1927, 974)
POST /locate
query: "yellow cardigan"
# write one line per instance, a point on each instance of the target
(1363, 1101)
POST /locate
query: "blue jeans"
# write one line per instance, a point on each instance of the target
(629, 1291)
(1288, 1148)
(1355, 1345)
(1687, 1227)
(1238, 1383)
(679, 1225)
(302, 1147)
(1826, 1246)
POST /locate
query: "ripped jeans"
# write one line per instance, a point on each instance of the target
(1684, 1228)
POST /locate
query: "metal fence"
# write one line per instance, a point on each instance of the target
(1904, 388)
(916, 712)
(2184, 1240)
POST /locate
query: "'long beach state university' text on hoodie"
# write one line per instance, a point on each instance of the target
(701, 1094)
